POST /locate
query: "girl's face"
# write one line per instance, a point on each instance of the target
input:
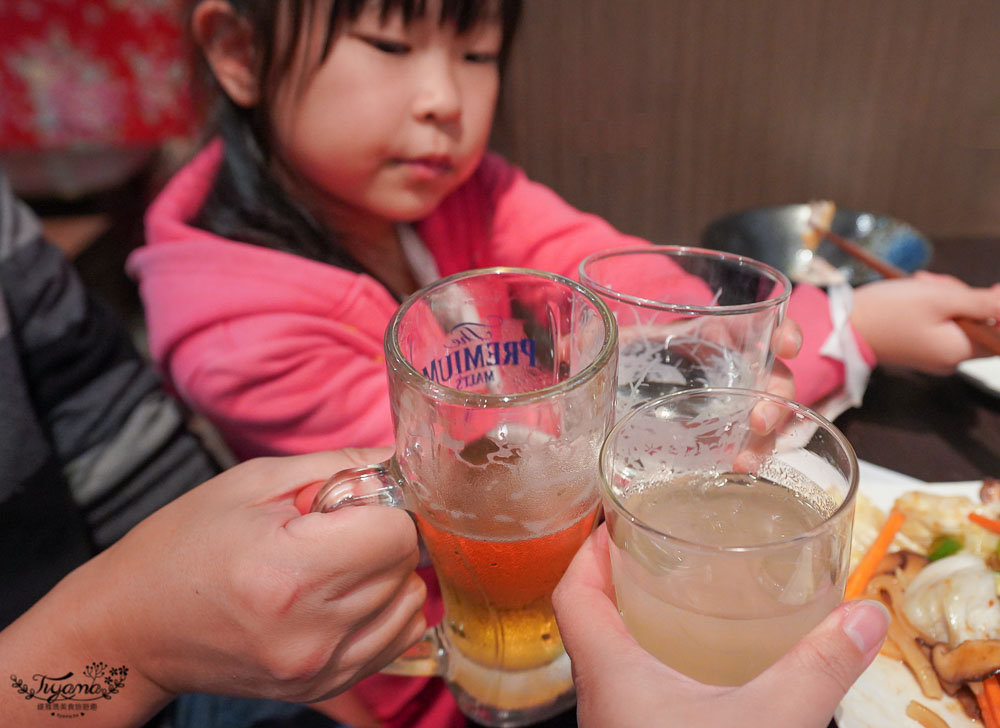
(394, 118)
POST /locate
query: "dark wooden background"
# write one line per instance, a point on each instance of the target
(662, 114)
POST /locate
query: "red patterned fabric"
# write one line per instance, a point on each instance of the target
(100, 73)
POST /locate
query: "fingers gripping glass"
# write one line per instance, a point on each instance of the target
(502, 385)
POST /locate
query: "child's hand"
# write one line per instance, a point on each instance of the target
(909, 322)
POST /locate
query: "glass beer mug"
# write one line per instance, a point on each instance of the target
(502, 385)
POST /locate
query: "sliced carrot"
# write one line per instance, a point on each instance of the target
(986, 710)
(857, 581)
(991, 689)
(990, 524)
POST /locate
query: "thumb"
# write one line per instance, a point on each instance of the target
(589, 622)
(837, 651)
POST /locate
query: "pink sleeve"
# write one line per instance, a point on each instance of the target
(816, 376)
(282, 354)
(285, 383)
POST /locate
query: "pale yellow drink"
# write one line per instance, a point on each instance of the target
(718, 613)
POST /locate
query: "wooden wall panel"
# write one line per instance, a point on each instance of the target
(662, 114)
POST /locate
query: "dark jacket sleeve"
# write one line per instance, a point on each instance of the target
(120, 439)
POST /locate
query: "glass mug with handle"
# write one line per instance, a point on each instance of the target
(502, 385)
(727, 545)
(688, 317)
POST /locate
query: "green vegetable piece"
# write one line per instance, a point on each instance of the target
(944, 546)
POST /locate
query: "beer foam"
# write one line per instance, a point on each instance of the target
(512, 483)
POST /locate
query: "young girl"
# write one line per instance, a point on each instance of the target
(349, 169)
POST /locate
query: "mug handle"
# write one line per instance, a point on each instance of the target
(382, 485)
(369, 485)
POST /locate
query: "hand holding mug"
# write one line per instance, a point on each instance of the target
(230, 589)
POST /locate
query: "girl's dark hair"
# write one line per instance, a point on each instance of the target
(245, 202)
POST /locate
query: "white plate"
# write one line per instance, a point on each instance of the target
(884, 486)
(983, 373)
(880, 696)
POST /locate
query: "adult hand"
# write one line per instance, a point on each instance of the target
(619, 683)
(910, 322)
(232, 590)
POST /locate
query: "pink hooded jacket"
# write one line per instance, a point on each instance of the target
(284, 354)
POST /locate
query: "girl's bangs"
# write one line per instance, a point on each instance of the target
(464, 14)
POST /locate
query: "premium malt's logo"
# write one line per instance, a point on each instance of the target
(68, 696)
(474, 353)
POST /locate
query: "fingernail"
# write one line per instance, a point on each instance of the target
(769, 415)
(797, 338)
(865, 624)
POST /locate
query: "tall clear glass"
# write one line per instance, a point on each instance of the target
(688, 317)
(726, 546)
(502, 385)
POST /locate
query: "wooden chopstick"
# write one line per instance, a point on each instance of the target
(886, 270)
(986, 336)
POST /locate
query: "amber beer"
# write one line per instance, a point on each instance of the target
(497, 575)
(498, 593)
